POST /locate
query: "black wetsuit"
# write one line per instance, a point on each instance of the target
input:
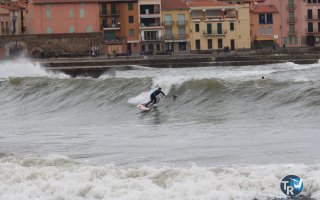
(153, 97)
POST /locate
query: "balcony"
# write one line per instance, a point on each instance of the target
(312, 18)
(313, 31)
(292, 33)
(182, 23)
(291, 6)
(168, 23)
(115, 40)
(292, 19)
(215, 33)
(178, 37)
(150, 26)
(152, 38)
(117, 13)
(111, 27)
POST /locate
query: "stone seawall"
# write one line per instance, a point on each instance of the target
(94, 67)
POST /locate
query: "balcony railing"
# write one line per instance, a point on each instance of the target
(292, 32)
(291, 6)
(149, 25)
(292, 19)
(168, 23)
(312, 31)
(111, 26)
(313, 17)
(175, 37)
(182, 23)
(215, 33)
(148, 12)
(110, 14)
(152, 38)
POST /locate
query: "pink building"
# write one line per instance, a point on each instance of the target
(63, 16)
(295, 22)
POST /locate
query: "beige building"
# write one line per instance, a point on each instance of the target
(219, 25)
(175, 20)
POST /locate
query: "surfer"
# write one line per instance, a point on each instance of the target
(153, 96)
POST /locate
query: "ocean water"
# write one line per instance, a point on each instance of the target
(221, 133)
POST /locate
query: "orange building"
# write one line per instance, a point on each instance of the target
(121, 30)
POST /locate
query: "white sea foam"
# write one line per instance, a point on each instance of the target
(23, 67)
(56, 177)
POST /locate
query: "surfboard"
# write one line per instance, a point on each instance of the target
(142, 107)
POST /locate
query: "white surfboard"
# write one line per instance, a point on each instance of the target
(142, 107)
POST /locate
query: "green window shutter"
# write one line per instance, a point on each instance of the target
(48, 14)
(71, 14)
(104, 8)
(49, 30)
(89, 29)
(81, 13)
(130, 6)
(71, 29)
(113, 8)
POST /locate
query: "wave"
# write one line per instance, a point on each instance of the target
(57, 177)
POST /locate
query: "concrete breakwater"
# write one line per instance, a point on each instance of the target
(94, 67)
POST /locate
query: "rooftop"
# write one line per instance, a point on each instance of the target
(265, 9)
(173, 5)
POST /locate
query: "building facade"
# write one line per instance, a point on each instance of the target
(11, 20)
(68, 16)
(265, 26)
(219, 25)
(175, 20)
(121, 31)
(150, 26)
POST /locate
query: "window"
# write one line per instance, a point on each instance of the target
(158, 47)
(291, 4)
(71, 29)
(319, 27)
(296, 40)
(71, 14)
(130, 19)
(209, 43)
(219, 28)
(290, 40)
(89, 29)
(270, 30)
(318, 13)
(3, 30)
(209, 28)
(143, 47)
(198, 44)
(168, 32)
(48, 14)
(113, 8)
(262, 18)
(284, 40)
(262, 30)
(309, 13)
(269, 19)
(182, 46)
(131, 32)
(220, 43)
(292, 29)
(81, 13)
(103, 8)
(231, 26)
(310, 27)
(291, 17)
(130, 6)
(49, 30)
(197, 27)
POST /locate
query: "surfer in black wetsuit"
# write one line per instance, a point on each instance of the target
(154, 95)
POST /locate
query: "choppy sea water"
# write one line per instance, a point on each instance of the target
(221, 133)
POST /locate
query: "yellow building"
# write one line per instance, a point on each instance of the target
(219, 25)
(175, 21)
